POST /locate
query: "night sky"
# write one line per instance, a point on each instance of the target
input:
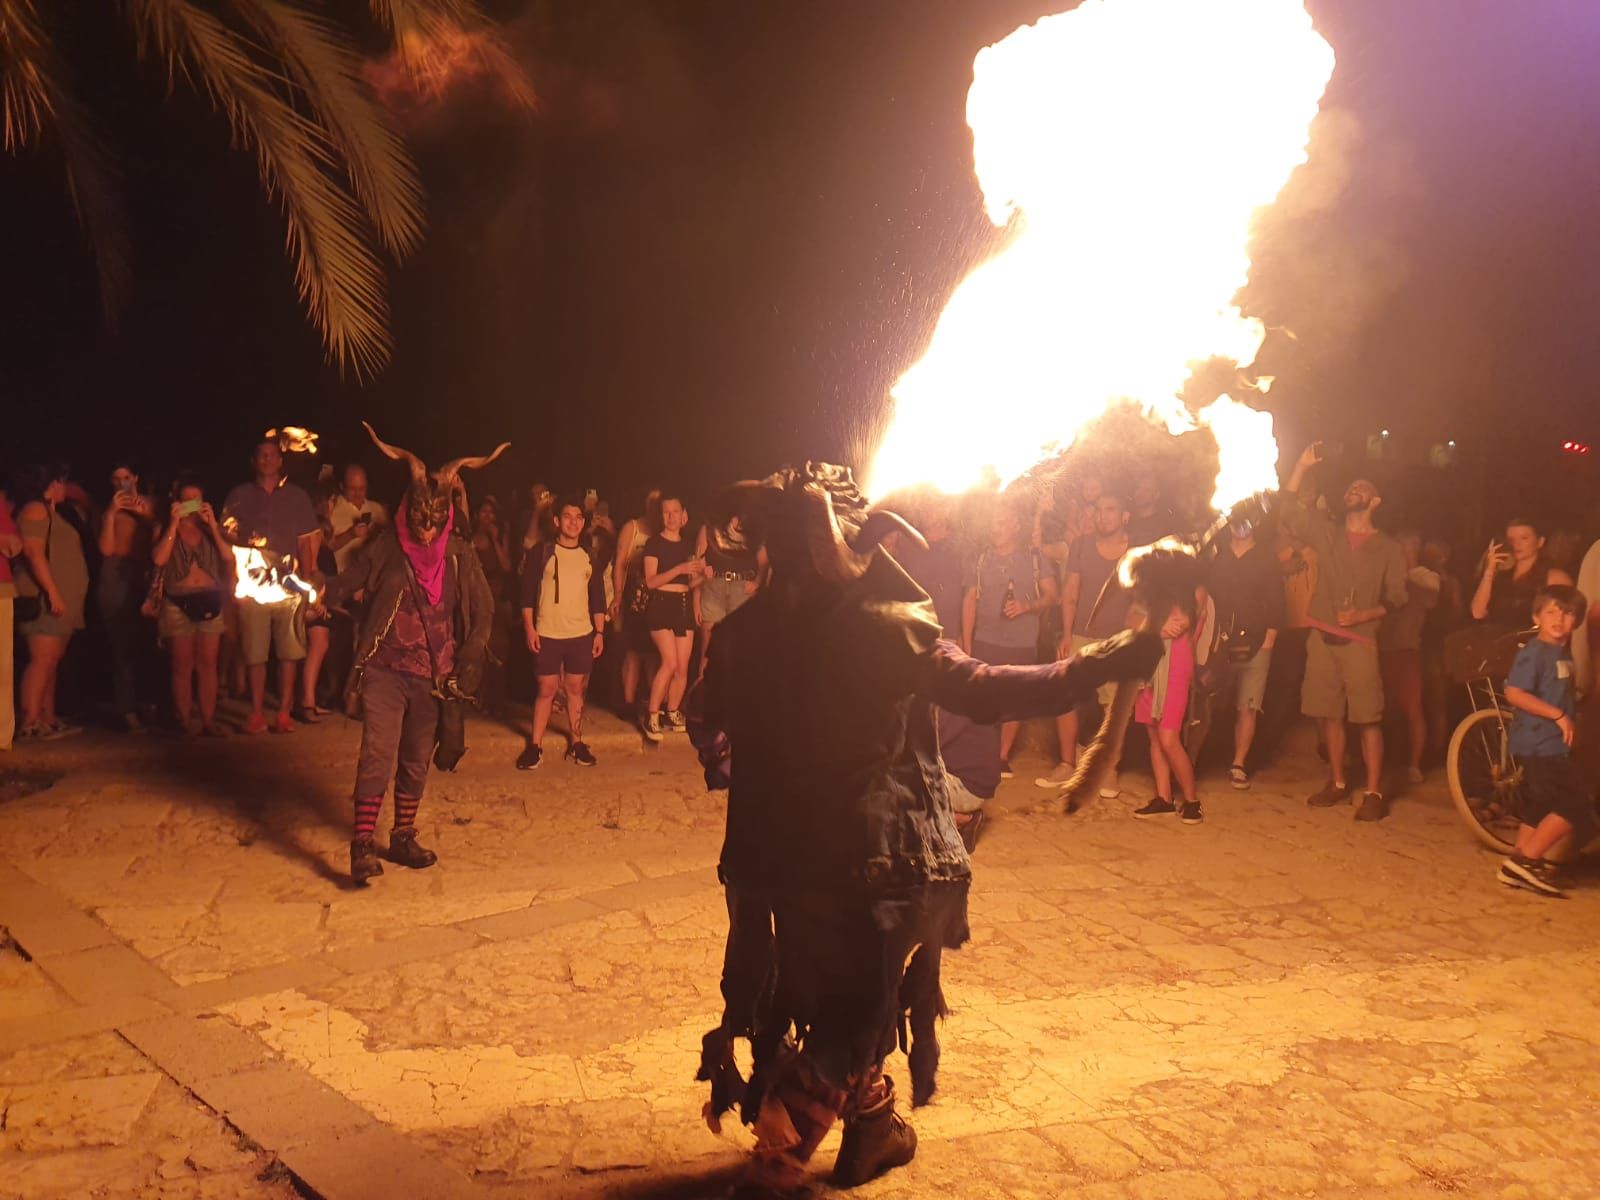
(730, 226)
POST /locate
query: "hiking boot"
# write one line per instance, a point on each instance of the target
(1191, 814)
(1373, 807)
(1157, 807)
(364, 863)
(875, 1141)
(403, 849)
(1531, 874)
(650, 726)
(1334, 793)
(530, 757)
(1110, 789)
(580, 753)
(1058, 778)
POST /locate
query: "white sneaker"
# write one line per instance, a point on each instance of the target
(1110, 790)
(1057, 778)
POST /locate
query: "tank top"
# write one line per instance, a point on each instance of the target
(1511, 597)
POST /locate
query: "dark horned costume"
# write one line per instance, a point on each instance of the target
(841, 859)
(421, 645)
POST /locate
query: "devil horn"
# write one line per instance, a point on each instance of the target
(419, 472)
(455, 466)
(880, 525)
(832, 556)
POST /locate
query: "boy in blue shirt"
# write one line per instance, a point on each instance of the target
(1541, 689)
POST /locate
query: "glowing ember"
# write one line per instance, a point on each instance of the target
(1126, 144)
(262, 577)
(293, 439)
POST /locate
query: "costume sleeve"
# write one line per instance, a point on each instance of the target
(988, 694)
(355, 576)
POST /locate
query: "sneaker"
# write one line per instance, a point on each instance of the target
(1005, 769)
(1158, 807)
(1414, 775)
(580, 753)
(674, 721)
(1373, 807)
(530, 757)
(650, 726)
(1110, 789)
(1333, 793)
(1239, 777)
(1531, 874)
(1057, 778)
(1191, 814)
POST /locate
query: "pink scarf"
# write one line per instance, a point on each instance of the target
(427, 562)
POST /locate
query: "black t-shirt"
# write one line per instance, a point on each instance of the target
(668, 554)
(1248, 591)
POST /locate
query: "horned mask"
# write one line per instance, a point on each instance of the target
(815, 516)
(429, 497)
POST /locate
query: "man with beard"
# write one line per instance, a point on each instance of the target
(841, 860)
(1361, 577)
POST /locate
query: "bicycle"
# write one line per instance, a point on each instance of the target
(1485, 779)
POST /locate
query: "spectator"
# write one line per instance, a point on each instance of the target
(671, 572)
(941, 569)
(127, 532)
(1559, 804)
(564, 626)
(10, 547)
(52, 585)
(319, 633)
(354, 517)
(1400, 652)
(1246, 585)
(736, 567)
(539, 518)
(1443, 619)
(1150, 520)
(1513, 573)
(490, 540)
(1093, 606)
(1161, 707)
(630, 596)
(274, 514)
(195, 573)
(1002, 602)
(1361, 578)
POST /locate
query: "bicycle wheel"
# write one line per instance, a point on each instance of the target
(1484, 780)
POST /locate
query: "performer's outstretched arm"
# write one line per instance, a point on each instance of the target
(989, 694)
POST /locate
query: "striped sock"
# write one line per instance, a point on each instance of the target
(405, 813)
(366, 817)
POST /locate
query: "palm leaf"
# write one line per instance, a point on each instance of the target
(33, 98)
(418, 26)
(337, 272)
(329, 76)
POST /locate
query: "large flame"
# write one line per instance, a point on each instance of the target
(1127, 144)
(266, 579)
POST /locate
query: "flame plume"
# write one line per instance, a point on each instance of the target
(1124, 146)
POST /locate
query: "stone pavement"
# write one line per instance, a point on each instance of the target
(1279, 1002)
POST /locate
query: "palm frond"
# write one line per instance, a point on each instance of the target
(337, 272)
(328, 74)
(421, 27)
(34, 97)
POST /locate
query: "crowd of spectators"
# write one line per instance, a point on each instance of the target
(1309, 608)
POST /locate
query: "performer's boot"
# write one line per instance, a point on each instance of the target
(364, 862)
(403, 849)
(876, 1139)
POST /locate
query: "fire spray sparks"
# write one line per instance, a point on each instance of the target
(1124, 146)
(265, 580)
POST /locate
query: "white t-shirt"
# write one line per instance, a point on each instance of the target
(564, 595)
(343, 515)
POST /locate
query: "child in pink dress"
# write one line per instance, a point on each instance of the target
(1161, 708)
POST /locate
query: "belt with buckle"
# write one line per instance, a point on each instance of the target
(738, 576)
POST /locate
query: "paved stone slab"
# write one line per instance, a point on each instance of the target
(41, 921)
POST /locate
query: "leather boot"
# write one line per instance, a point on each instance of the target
(364, 862)
(403, 849)
(875, 1140)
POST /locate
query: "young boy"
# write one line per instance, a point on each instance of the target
(1541, 689)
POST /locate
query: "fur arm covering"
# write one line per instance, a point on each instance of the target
(989, 694)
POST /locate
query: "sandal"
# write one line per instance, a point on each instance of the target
(281, 724)
(308, 714)
(1239, 777)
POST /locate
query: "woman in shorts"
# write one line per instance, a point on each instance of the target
(196, 568)
(671, 573)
